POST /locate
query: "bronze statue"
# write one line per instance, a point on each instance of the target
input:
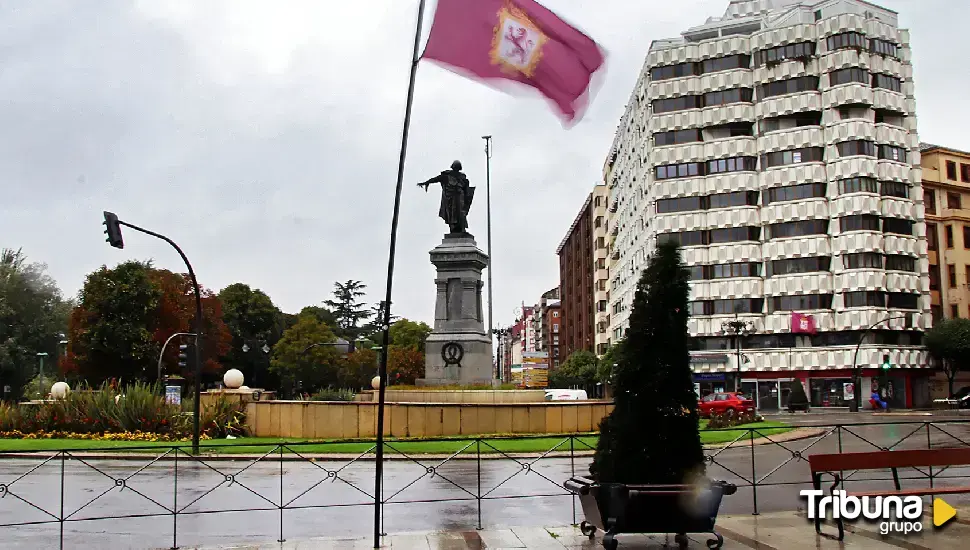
(456, 197)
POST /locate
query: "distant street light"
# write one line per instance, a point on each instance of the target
(265, 349)
(736, 329)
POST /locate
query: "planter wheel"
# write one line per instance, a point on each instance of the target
(588, 529)
(715, 543)
(681, 540)
(609, 542)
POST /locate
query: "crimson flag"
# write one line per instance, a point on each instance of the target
(803, 323)
(517, 40)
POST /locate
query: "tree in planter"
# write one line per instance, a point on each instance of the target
(651, 437)
(949, 343)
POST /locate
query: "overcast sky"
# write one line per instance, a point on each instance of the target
(263, 137)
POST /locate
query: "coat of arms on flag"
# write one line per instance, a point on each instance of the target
(517, 43)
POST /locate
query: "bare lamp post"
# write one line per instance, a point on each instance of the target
(40, 378)
(265, 349)
(737, 329)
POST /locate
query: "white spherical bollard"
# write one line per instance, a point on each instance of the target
(376, 382)
(233, 379)
(60, 390)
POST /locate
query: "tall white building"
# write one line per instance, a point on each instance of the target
(777, 144)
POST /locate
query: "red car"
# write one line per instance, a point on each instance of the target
(724, 403)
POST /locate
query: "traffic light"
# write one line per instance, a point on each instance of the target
(885, 361)
(113, 230)
(183, 356)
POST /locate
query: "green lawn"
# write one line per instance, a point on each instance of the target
(259, 445)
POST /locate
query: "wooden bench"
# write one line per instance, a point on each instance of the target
(834, 464)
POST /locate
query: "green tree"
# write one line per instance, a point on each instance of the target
(578, 370)
(302, 369)
(348, 308)
(321, 314)
(949, 343)
(410, 334)
(405, 364)
(33, 315)
(253, 321)
(651, 436)
(604, 367)
(112, 327)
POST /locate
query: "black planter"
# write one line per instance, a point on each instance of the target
(680, 509)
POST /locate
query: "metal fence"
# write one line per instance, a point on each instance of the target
(58, 498)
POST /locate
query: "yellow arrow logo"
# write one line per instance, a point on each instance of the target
(942, 512)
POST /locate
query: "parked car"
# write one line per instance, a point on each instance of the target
(959, 400)
(725, 403)
(566, 395)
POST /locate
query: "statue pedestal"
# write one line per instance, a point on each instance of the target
(458, 350)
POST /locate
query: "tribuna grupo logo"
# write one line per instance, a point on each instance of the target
(894, 514)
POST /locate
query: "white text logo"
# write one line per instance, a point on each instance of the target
(894, 514)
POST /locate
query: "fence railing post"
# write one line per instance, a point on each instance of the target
(281, 539)
(838, 435)
(572, 469)
(63, 458)
(754, 475)
(929, 446)
(175, 501)
(478, 498)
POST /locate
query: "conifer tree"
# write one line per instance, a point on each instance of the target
(651, 437)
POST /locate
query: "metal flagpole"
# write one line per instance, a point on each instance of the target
(379, 470)
(488, 224)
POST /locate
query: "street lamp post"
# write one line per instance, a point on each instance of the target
(113, 231)
(162, 353)
(736, 329)
(265, 349)
(40, 377)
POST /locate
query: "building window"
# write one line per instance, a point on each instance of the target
(798, 303)
(792, 156)
(951, 275)
(894, 189)
(680, 204)
(726, 63)
(726, 97)
(863, 222)
(891, 152)
(897, 226)
(676, 137)
(737, 198)
(794, 192)
(555, 327)
(676, 104)
(845, 76)
(735, 234)
(683, 170)
(953, 200)
(770, 56)
(948, 230)
(864, 299)
(725, 271)
(793, 266)
(954, 311)
(726, 307)
(951, 170)
(797, 229)
(733, 164)
(849, 39)
(966, 236)
(790, 86)
(929, 201)
(902, 300)
(555, 314)
(674, 71)
(857, 147)
(883, 47)
(899, 262)
(862, 260)
(857, 185)
(887, 82)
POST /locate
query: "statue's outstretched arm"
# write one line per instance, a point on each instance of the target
(436, 179)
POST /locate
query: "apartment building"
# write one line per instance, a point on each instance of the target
(946, 199)
(576, 282)
(777, 145)
(601, 269)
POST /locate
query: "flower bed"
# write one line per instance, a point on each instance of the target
(136, 409)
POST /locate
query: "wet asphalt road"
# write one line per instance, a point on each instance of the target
(319, 503)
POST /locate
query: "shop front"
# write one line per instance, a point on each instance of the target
(706, 383)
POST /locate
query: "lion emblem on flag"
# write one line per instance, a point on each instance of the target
(517, 43)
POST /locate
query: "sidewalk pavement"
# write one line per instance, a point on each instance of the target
(773, 531)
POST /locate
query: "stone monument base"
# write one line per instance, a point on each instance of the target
(458, 351)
